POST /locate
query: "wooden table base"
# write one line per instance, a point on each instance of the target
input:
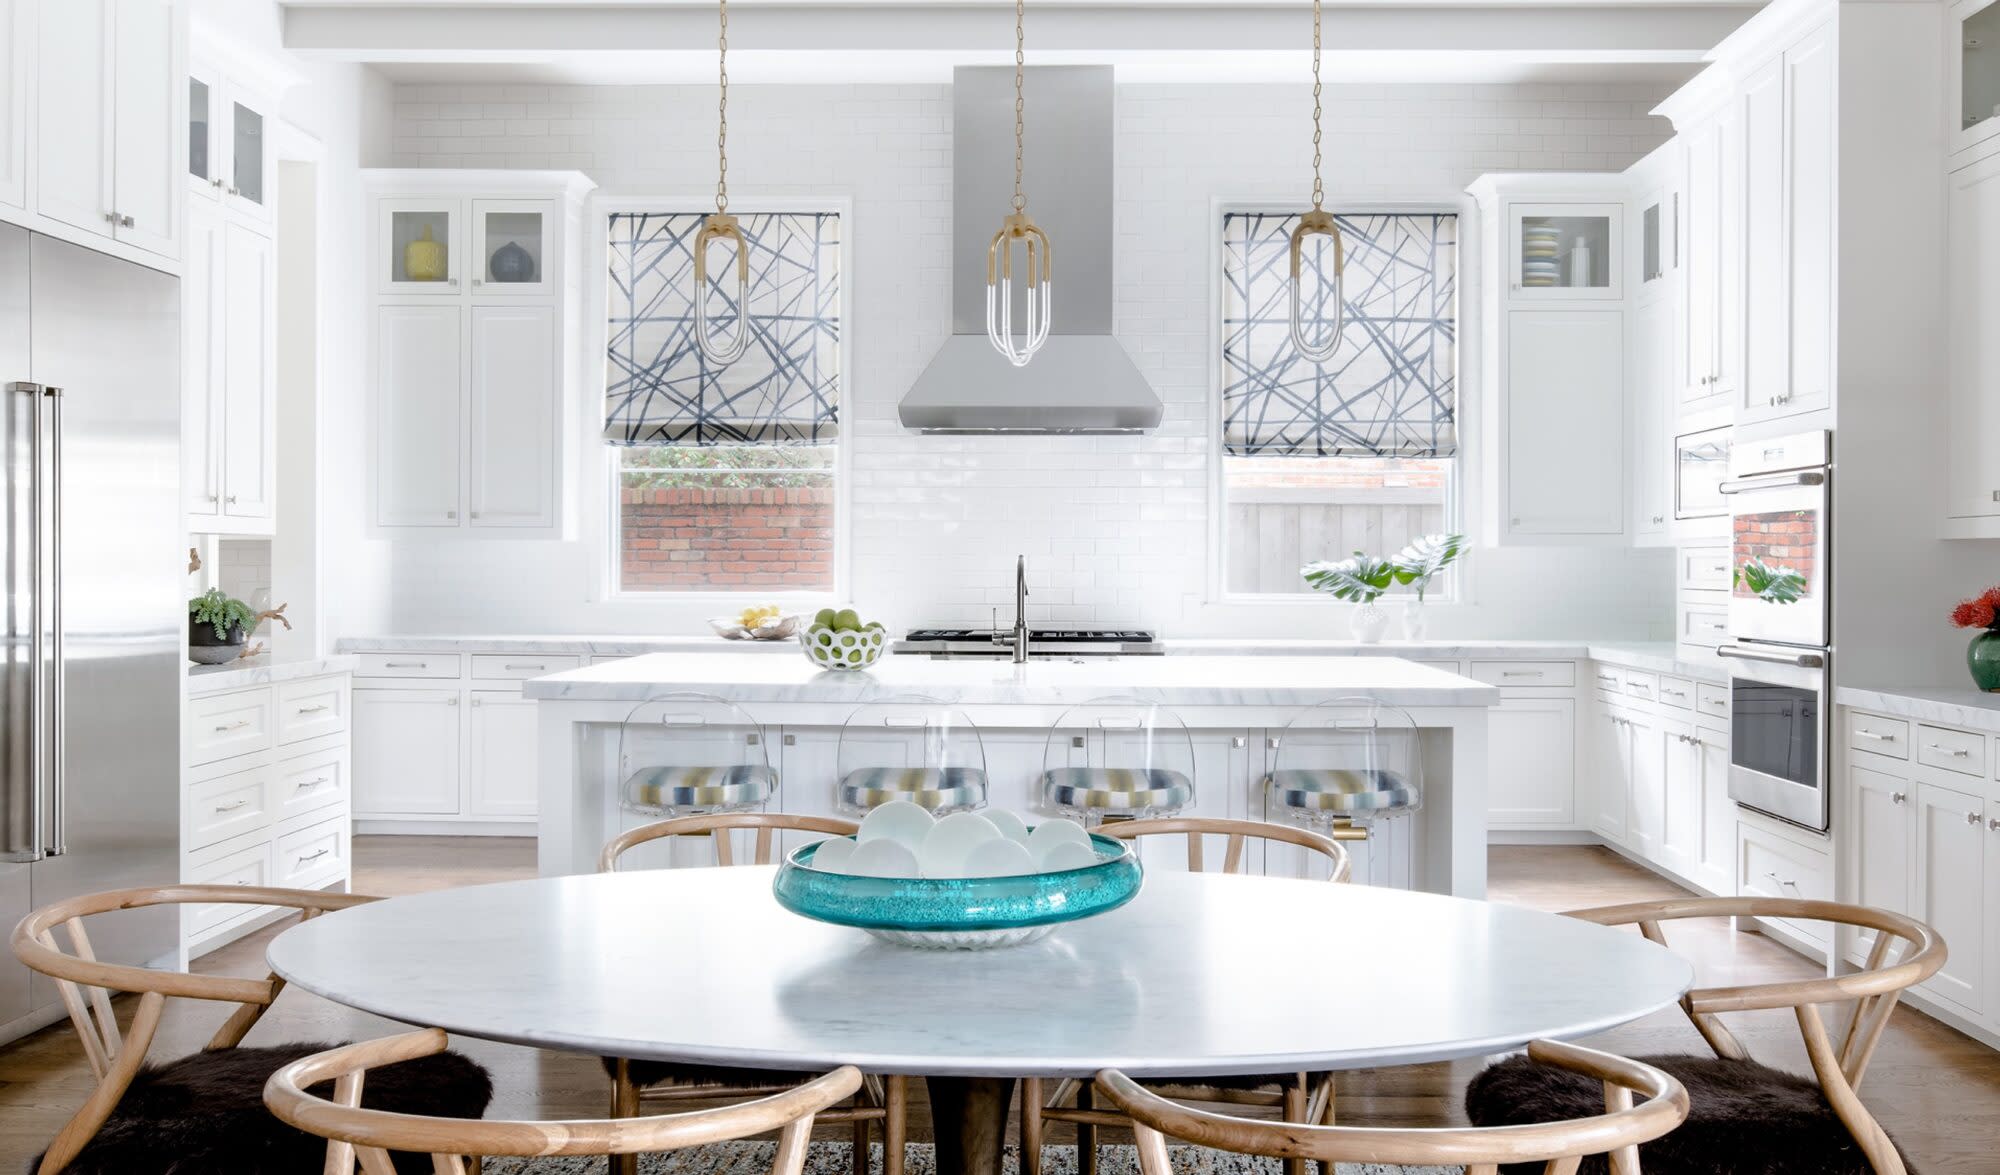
(969, 1120)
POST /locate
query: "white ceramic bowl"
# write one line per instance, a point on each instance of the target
(833, 648)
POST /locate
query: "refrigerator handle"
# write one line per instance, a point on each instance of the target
(26, 828)
(55, 838)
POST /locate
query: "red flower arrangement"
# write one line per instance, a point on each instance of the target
(1981, 611)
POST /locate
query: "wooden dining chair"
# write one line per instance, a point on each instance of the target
(365, 1136)
(634, 1082)
(1614, 1126)
(202, 1111)
(1300, 1097)
(1818, 1124)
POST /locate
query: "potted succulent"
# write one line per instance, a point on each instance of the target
(1359, 579)
(218, 627)
(1423, 560)
(1983, 655)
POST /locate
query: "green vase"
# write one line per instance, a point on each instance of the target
(1983, 658)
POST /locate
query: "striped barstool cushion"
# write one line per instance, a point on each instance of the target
(675, 789)
(1341, 789)
(1117, 789)
(937, 788)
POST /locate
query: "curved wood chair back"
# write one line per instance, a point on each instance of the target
(1235, 833)
(1905, 953)
(366, 1136)
(87, 985)
(1560, 1145)
(717, 826)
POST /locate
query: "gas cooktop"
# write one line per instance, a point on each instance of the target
(1042, 642)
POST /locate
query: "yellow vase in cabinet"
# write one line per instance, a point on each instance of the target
(423, 259)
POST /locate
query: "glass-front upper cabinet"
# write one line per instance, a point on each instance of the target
(247, 155)
(511, 246)
(1975, 103)
(1659, 238)
(228, 157)
(1565, 251)
(202, 174)
(422, 237)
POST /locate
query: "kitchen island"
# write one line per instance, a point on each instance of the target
(1234, 706)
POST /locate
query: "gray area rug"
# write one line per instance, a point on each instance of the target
(831, 1158)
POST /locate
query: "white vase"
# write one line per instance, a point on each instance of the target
(1369, 622)
(1413, 620)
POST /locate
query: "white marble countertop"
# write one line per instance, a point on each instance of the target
(262, 670)
(1200, 974)
(1950, 705)
(630, 645)
(1180, 681)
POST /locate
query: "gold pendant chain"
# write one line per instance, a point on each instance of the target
(1319, 190)
(1020, 125)
(722, 112)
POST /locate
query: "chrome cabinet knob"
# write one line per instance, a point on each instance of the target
(451, 514)
(216, 182)
(231, 499)
(125, 221)
(111, 218)
(1994, 825)
(1896, 797)
(1659, 518)
(1973, 817)
(211, 497)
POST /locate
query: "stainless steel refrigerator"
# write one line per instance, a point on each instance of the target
(94, 612)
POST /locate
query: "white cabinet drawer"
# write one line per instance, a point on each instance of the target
(311, 708)
(312, 855)
(1703, 624)
(520, 666)
(1608, 680)
(1712, 700)
(1877, 735)
(1704, 569)
(1525, 673)
(408, 665)
(225, 725)
(246, 866)
(226, 806)
(1772, 866)
(1640, 685)
(310, 782)
(1961, 751)
(1677, 692)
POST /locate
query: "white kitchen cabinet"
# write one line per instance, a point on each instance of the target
(229, 376)
(1653, 385)
(1789, 180)
(503, 779)
(201, 370)
(1565, 251)
(1565, 423)
(1883, 840)
(108, 99)
(514, 366)
(17, 45)
(1715, 853)
(406, 752)
(1644, 756)
(1950, 888)
(1680, 822)
(478, 295)
(1531, 744)
(1971, 456)
(1712, 343)
(1608, 798)
(418, 357)
(229, 123)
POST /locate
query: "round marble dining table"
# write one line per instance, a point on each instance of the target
(1200, 975)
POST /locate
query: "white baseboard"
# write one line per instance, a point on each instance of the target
(1541, 836)
(444, 828)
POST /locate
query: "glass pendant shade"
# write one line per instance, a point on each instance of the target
(721, 349)
(1000, 289)
(1318, 223)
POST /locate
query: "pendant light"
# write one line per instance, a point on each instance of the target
(1018, 227)
(721, 227)
(1318, 222)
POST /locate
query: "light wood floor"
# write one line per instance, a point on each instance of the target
(1937, 1091)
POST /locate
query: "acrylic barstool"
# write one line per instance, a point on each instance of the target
(1344, 766)
(909, 748)
(1117, 758)
(689, 754)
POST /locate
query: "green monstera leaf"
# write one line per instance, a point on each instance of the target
(1360, 578)
(1425, 559)
(1773, 585)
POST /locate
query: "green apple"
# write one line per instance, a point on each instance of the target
(847, 620)
(825, 617)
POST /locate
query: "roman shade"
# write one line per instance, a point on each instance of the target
(658, 387)
(1390, 388)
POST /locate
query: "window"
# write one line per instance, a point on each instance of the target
(1354, 453)
(725, 477)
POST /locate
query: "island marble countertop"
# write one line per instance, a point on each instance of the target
(1950, 705)
(1178, 681)
(262, 670)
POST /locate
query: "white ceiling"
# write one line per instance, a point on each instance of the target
(812, 41)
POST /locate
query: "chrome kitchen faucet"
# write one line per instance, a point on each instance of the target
(1020, 610)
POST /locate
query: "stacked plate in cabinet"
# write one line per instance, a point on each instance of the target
(1540, 267)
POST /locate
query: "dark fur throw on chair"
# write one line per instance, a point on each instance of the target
(204, 1114)
(1746, 1118)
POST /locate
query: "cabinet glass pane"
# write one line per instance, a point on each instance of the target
(1565, 252)
(1650, 230)
(417, 245)
(1980, 54)
(198, 163)
(513, 247)
(1701, 463)
(247, 148)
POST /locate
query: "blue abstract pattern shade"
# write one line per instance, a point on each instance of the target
(1390, 387)
(658, 387)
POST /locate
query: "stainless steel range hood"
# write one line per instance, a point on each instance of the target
(1081, 381)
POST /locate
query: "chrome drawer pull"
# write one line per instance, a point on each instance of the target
(312, 709)
(1954, 752)
(406, 664)
(229, 807)
(1520, 673)
(227, 727)
(514, 667)
(1781, 881)
(309, 784)
(1880, 738)
(309, 858)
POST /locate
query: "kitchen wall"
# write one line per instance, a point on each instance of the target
(1116, 529)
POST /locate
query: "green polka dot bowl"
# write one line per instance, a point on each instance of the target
(843, 648)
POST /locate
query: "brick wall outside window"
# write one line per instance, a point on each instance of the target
(1784, 539)
(725, 539)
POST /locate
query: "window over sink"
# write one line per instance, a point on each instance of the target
(724, 477)
(1358, 451)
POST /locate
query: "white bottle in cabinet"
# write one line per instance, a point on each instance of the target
(476, 339)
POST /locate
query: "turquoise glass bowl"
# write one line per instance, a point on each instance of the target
(960, 913)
